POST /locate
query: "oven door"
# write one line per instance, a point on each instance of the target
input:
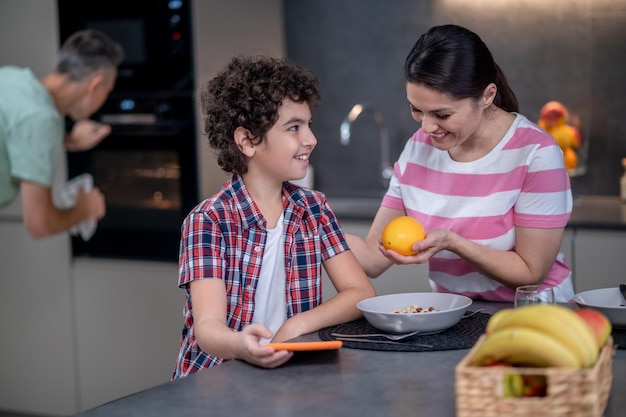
(148, 176)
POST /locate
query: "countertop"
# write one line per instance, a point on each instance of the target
(345, 382)
(589, 211)
(599, 212)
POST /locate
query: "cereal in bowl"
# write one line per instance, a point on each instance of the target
(415, 309)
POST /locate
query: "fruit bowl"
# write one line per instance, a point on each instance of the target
(449, 308)
(606, 300)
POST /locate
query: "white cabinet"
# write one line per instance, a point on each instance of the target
(567, 248)
(599, 258)
(76, 335)
(128, 325)
(37, 353)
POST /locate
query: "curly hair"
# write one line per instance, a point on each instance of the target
(248, 93)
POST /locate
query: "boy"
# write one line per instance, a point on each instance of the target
(251, 255)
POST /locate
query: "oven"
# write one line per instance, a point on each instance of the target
(147, 166)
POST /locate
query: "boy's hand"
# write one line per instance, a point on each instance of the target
(251, 351)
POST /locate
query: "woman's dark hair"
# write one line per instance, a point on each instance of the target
(248, 93)
(454, 60)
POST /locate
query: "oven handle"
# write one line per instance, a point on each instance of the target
(161, 129)
(129, 119)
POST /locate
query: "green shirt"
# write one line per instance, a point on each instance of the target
(31, 132)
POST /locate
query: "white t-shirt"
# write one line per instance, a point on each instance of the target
(270, 305)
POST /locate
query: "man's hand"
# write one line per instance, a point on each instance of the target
(85, 135)
(91, 203)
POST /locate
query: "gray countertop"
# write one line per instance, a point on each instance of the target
(599, 212)
(596, 212)
(346, 382)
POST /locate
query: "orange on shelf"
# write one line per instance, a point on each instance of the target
(554, 120)
(570, 158)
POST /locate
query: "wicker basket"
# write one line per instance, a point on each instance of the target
(572, 393)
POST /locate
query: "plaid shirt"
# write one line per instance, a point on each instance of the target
(224, 237)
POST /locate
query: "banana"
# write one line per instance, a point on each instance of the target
(522, 346)
(494, 320)
(556, 321)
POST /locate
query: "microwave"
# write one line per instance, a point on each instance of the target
(156, 36)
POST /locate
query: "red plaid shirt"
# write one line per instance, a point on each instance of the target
(224, 237)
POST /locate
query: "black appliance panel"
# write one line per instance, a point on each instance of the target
(147, 166)
(156, 36)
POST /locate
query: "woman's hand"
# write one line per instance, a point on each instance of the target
(435, 241)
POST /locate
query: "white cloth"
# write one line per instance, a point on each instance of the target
(65, 198)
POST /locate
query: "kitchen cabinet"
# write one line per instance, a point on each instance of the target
(78, 334)
(598, 228)
(567, 249)
(599, 258)
(129, 315)
(37, 353)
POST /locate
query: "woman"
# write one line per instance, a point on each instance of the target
(488, 185)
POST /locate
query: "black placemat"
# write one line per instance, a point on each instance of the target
(462, 335)
(619, 338)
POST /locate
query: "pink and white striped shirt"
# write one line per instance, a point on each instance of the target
(521, 182)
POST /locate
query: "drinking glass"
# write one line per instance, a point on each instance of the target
(533, 294)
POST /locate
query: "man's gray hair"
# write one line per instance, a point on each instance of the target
(86, 52)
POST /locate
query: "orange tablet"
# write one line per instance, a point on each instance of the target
(301, 346)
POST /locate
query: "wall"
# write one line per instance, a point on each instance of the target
(567, 50)
(223, 29)
(24, 45)
(38, 353)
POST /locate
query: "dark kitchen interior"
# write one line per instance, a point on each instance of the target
(570, 51)
(358, 53)
(88, 324)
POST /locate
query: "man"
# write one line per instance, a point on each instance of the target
(32, 137)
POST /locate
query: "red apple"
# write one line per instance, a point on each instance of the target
(535, 386)
(599, 323)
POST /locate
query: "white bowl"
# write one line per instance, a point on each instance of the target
(606, 300)
(450, 308)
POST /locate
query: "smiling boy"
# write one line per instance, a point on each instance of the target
(251, 255)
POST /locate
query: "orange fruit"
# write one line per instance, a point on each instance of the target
(570, 158)
(401, 233)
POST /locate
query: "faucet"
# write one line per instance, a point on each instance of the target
(386, 169)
